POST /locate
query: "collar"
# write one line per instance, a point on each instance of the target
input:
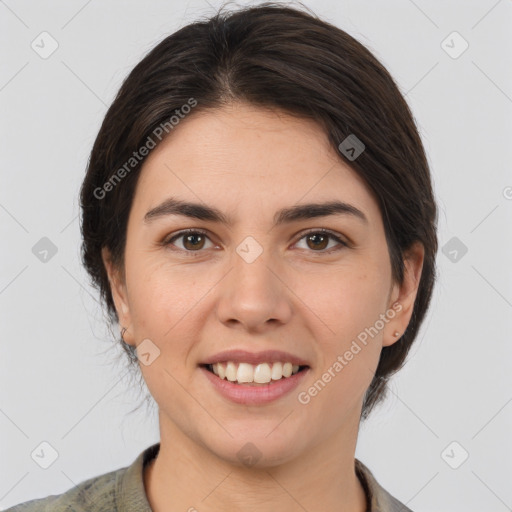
(377, 498)
(130, 492)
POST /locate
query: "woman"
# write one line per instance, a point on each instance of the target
(258, 217)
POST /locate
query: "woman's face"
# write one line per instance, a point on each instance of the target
(258, 282)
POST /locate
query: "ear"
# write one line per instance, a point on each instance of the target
(119, 294)
(402, 297)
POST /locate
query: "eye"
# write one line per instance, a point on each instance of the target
(318, 240)
(193, 240)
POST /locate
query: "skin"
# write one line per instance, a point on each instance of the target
(296, 296)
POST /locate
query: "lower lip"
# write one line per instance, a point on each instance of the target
(255, 395)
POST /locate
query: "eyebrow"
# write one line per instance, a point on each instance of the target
(173, 206)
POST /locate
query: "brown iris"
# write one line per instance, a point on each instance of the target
(316, 236)
(192, 237)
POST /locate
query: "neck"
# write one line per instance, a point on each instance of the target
(187, 476)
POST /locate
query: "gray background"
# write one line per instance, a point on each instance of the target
(62, 380)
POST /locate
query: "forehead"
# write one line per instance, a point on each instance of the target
(243, 156)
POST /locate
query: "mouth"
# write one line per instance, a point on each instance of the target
(254, 385)
(254, 375)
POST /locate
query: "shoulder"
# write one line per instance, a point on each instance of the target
(380, 500)
(121, 489)
(93, 495)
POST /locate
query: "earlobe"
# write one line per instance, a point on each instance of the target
(405, 294)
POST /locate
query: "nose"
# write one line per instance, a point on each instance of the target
(254, 296)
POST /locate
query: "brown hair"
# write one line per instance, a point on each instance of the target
(276, 57)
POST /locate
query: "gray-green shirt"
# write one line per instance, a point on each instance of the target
(123, 490)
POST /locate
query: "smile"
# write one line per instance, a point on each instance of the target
(262, 373)
(254, 384)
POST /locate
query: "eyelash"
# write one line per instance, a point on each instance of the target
(324, 232)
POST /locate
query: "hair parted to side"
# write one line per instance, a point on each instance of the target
(283, 58)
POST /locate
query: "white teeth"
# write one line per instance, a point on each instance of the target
(262, 373)
(231, 371)
(277, 371)
(245, 373)
(287, 369)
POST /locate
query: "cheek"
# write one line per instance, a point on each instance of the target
(349, 335)
(165, 301)
(161, 295)
(347, 301)
(168, 307)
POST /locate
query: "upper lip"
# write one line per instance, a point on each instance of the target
(266, 356)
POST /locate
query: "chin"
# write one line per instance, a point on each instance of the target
(258, 450)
